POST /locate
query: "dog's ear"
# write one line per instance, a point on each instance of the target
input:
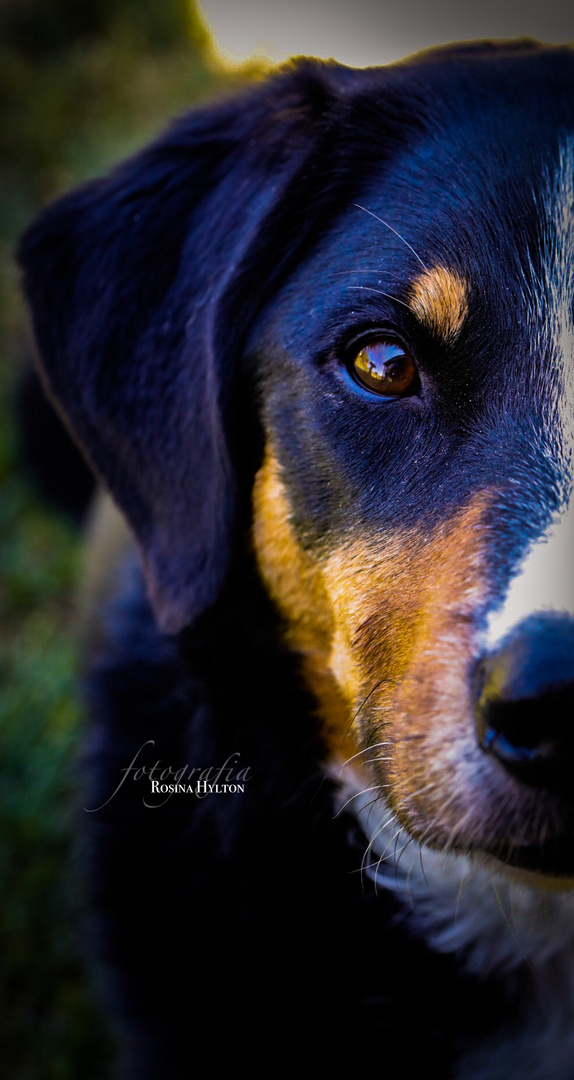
(127, 280)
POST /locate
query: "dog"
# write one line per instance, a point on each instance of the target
(317, 343)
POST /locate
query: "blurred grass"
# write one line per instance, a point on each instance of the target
(81, 85)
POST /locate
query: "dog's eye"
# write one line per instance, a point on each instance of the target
(384, 367)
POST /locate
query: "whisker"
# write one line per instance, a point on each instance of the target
(388, 855)
(443, 807)
(375, 837)
(368, 806)
(422, 865)
(365, 750)
(511, 931)
(378, 292)
(380, 759)
(356, 795)
(377, 218)
(362, 270)
(391, 682)
(410, 840)
(364, 867)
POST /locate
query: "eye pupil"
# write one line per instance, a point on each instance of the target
(384, 367)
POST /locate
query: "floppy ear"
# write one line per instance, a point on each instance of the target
(127, 280)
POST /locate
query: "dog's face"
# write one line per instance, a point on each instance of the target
(418, 388)
(387, 270)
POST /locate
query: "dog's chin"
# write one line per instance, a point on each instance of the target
(550, 864)
(543, 851)
(543, 860)
(539, 862)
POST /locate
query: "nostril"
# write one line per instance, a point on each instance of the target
(517, 731)
(524, 695)
(533, 738)
(497, 743)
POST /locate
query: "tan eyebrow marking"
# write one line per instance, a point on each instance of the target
(439, 299)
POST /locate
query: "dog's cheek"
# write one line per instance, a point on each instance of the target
(295, 581)
(386, 627)
(409, 608)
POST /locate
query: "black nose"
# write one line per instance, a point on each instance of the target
(525, 703)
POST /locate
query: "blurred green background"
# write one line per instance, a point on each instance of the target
(81, 85)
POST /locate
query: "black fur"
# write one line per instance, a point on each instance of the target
(249, 915)
(46, 452)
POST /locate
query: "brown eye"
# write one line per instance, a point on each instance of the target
(384, 367)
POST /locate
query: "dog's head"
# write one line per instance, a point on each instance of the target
(337, 313)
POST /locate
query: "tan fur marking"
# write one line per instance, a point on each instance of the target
(356, 617)
(389, 628)
(439, 299)
(295, 581)
(388, 592)
(412, 605)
